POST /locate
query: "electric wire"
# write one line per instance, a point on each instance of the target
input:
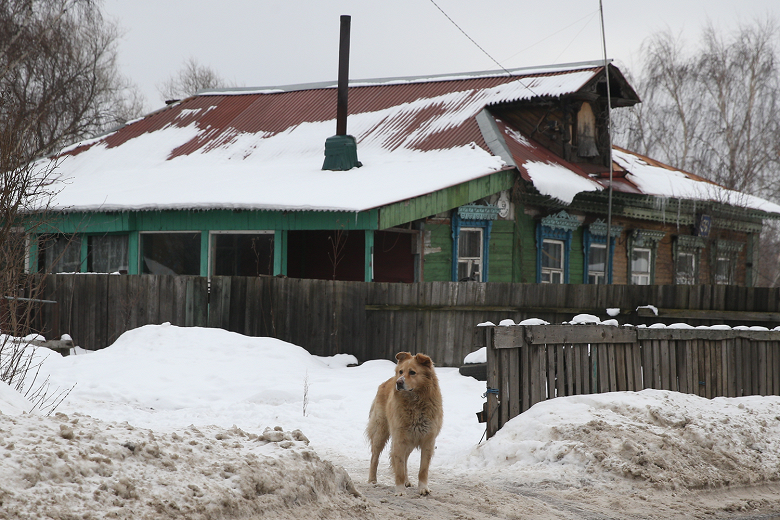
(470, 38)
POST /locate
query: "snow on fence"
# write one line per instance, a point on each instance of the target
(528, 364)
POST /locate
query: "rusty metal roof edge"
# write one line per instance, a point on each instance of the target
(523, 71)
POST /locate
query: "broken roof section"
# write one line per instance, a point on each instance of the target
(262, 149)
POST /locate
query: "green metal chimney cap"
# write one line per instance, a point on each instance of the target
(341, 153)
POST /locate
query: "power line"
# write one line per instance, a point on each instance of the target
(470, 38)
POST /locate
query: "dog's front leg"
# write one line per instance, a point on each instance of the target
(426, 454)
(399, 457)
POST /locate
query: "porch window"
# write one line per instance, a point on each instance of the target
(552, 261)
(107, 253)
(59, 254)
(242, 254)
(470, 258)
(641, 262)
(171, 253)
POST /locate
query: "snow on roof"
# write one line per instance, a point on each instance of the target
(265, 151)
(262, 149)
(669, 182)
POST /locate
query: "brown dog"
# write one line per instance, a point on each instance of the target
(408, 409)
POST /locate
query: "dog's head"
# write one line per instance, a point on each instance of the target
(412, 372)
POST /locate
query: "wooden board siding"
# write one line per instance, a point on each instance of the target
(444, 200)
(526, 240)
(438, 258)
(501, 251)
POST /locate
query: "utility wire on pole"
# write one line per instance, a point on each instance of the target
(608, 267)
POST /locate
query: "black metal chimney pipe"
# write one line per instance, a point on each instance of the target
(341, 149)
(343, 88)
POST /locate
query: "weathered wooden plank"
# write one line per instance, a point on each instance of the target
(514, 383)
(550, 365)
(763, 368)
(505, 394)
(622, 383)
(493, 382)
(684, 334)
(569, 334)
(509, 337)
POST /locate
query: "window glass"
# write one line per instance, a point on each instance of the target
(107, 254)
(242, 254)
(60, 254)
(640, 266)
(723, 270)
(552, 261)
(597, 260)
(686, 269)
(470, 255)
(171, 253)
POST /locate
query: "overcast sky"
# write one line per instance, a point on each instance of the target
(254, 43)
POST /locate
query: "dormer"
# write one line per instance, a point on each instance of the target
(572, 126)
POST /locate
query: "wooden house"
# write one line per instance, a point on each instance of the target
(484, 176)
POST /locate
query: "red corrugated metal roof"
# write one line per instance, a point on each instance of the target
(223, 115)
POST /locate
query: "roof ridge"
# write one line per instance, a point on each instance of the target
(457, 76)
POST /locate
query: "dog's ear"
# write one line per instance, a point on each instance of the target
(402, 355)
(424, 360)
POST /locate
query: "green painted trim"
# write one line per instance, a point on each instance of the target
(280, 252)
(369, 256)
(84, 253)
(212, 220)
(445, 199)
(204, 253)
(133, 247)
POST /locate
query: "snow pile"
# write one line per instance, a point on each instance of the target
(668, 439)
(174, 422)
(73, 467)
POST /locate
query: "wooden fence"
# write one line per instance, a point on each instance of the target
(528, 364)
(372, 320)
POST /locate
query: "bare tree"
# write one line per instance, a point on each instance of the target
(58, 83)
(712, 111)
(191, 78)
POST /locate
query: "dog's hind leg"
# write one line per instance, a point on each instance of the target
(378, 434)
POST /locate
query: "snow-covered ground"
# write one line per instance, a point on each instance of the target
(199, 423)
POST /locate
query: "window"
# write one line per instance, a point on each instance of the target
(725, 255)
(687, 254)
(553, 245)
(552, 261)
(686, 269)
(471, 225)
(642, 251)
(640, 266)
(59, 254)
(597, 261)
(242, 254)
(171, 253)
(723, 271)
(470, 255)
(107, 254)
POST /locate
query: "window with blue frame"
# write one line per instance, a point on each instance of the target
(553, 247)
(598, 263)
(471, 225)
